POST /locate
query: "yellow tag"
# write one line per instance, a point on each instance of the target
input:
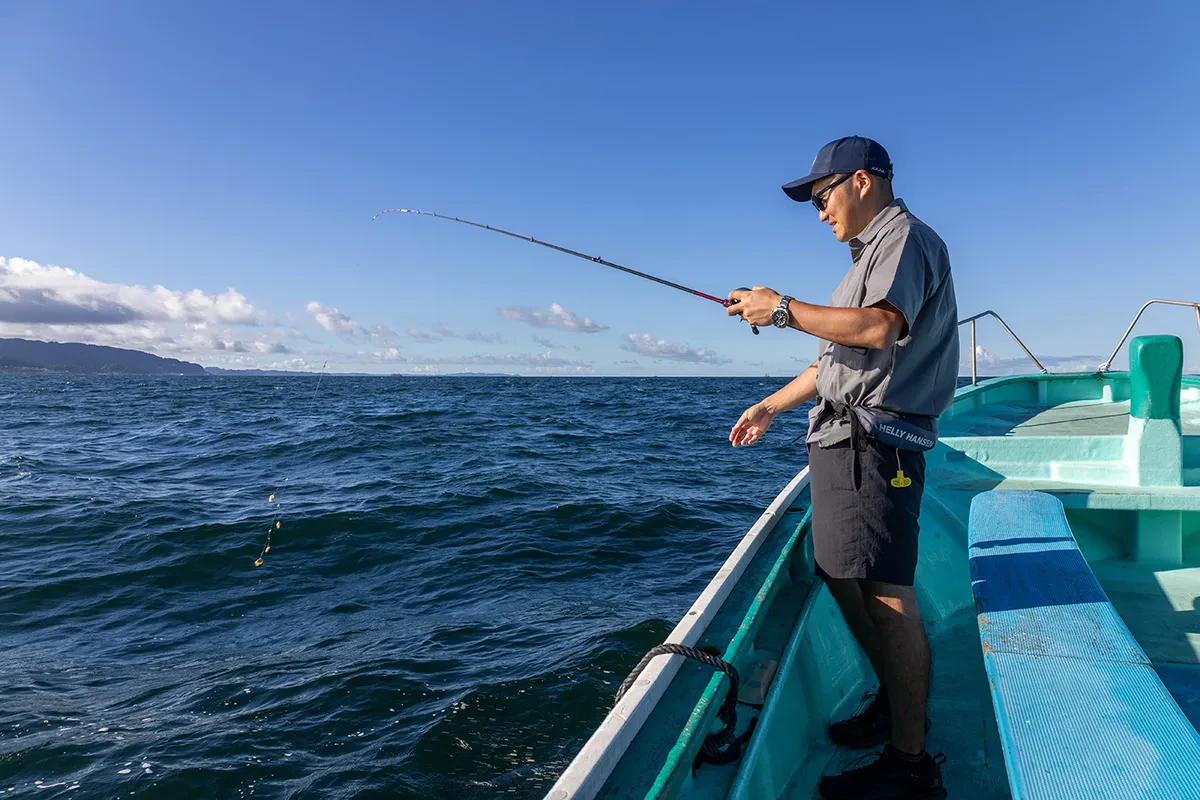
(267, 549)
(277, 525)
(272, 497)
(900, 481)
(258, 563)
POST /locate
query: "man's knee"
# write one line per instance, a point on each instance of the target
(889, 603)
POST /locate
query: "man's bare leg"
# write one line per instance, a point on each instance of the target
(849, 596)
(904, 652)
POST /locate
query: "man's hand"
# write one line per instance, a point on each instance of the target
(751, 425)
(755, 305)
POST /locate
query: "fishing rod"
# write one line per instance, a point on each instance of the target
(724, 302)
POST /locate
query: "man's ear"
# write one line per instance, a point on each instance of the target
(863, 183)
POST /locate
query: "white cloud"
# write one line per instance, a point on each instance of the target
(422, 337)
(646, 345)
(332, 320)
(52, 303)
(297, 364)
(483, 338)
(544, 342)
(992, 365)
(37, 294)
(391, 354)
(575, 370)
(382, 335)
(558, 318)
(543, 360)
(546, 359)
(443, 331)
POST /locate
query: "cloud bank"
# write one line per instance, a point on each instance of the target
(558, 318)
(995, 366)
(646, 345)
(37, 294)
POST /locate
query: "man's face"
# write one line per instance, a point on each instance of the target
(842, 204)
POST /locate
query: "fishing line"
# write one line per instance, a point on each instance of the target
(723, 301)
(276, 524)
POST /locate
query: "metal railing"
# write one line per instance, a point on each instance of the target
(975, 353)
(1196, 306)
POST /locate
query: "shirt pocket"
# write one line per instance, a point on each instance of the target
(854, 358)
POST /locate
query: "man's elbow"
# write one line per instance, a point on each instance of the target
(887, 331)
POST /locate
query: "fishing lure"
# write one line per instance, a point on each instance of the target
(258, 562)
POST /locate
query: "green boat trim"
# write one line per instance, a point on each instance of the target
(587, 774)
(1121, 451)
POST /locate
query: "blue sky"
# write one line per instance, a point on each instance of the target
(234, 155)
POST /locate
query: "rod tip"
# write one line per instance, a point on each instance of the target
(396, 211)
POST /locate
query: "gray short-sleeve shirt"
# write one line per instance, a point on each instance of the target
(899, 259)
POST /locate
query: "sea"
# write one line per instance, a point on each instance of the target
(461, 571)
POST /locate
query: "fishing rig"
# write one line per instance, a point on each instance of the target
(277, 523)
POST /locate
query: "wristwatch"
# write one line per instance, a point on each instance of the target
(781, 315)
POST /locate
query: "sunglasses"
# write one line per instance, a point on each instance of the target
(818, 199)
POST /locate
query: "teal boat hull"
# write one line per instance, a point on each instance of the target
(1119, 451)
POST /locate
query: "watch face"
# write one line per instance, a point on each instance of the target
(779, 318)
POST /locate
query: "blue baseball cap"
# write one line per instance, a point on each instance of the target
(838, 158)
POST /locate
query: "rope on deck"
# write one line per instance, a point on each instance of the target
(724, 746)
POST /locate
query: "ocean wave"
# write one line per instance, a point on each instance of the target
(448, 604)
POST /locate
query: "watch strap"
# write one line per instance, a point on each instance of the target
(787, 312)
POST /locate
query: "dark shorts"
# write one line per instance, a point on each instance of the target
(863, 526)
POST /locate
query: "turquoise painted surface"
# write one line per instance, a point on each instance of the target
(1080, 709)
(1073, 436)
(1155, 372)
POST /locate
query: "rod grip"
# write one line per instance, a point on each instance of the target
(753, 328)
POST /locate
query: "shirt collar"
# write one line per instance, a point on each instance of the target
(889, 213)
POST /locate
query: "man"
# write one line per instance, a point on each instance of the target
(888, 350)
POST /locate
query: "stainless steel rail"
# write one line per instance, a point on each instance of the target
(974, 352)
(1104, 367)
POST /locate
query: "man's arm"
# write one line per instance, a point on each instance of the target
(755, 420)
(878, 326)
(801, 389)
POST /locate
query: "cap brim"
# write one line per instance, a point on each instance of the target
(801, 190)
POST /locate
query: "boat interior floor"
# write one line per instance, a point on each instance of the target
(1161, 608)
(963, 726)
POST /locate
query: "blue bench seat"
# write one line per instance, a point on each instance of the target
(1080, 710)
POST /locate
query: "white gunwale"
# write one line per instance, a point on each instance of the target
(590, 768)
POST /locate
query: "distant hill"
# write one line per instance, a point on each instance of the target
(27, 355)
(32, 356)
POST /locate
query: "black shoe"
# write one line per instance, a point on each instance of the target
(888, 777)
(869, 726)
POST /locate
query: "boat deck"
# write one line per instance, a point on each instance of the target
(1082, 418)
(962, 728)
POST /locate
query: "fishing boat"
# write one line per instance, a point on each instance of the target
(1059, 579)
